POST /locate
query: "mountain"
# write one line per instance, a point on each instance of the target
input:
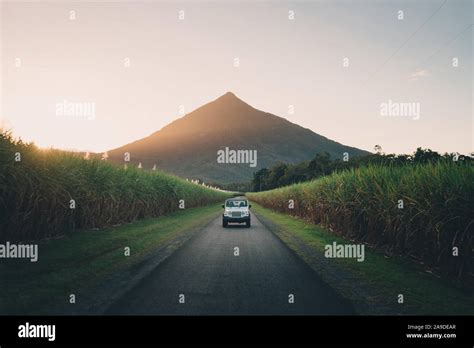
(188, 146)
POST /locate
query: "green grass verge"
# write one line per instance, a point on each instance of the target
(81, 260)
(424, 293)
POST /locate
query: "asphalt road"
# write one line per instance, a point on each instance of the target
(216, 282)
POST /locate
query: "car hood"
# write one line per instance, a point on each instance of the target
(237, 209)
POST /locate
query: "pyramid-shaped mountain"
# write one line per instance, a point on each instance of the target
(189, 147)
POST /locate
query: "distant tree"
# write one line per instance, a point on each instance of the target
(259, 179)
(283, 174)
(294, 174)
(320, 165)
(378, 149)
(276, 174)
(425, 155)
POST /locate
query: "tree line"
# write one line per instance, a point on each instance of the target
(283, 174)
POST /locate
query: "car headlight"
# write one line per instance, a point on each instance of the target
(227, 213)
(245, 213)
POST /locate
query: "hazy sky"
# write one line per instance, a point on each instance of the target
(52, 57)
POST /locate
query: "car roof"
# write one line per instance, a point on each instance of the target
(236, 199)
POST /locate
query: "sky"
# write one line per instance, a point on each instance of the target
(99, 74)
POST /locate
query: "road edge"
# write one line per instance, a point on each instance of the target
(332, 274)
(117, 285)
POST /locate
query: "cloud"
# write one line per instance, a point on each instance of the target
(418, 74)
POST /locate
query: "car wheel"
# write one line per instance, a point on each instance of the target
(224, 223)
(247, 224)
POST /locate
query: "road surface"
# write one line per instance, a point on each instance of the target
(216, 282)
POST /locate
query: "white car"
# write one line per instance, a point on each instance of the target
(236, 210)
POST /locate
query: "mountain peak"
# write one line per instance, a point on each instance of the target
(229, 96)
(230, 100)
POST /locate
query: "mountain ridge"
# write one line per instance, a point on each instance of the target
(188, 146)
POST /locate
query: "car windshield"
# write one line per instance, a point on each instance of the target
(236, 204)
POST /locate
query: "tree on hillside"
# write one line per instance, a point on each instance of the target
(259, 178)
(276, 174)
(320, 165)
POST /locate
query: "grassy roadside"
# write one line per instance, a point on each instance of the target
(80, 261)
(372, 285)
